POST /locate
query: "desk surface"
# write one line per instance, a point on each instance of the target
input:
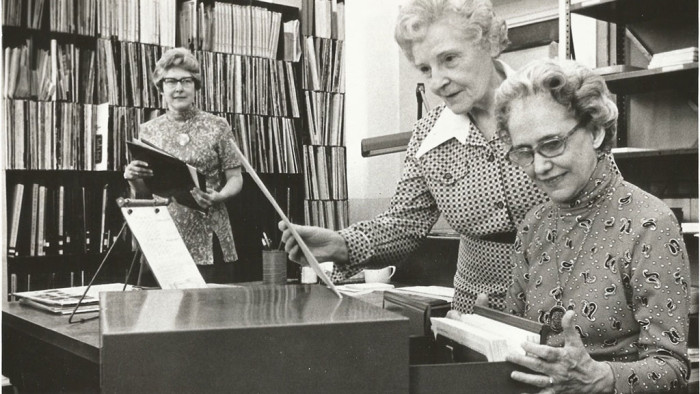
(232, 308)
(83, 339)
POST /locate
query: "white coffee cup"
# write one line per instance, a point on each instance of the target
(382, 275)
(309, 276)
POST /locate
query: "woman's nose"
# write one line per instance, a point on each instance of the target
(438, 80)
(541, 164)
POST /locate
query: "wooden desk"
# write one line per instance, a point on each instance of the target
(42, 352)
(249, 339)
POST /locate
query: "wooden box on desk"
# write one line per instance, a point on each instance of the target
(264, 339)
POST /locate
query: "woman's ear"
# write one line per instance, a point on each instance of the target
(598, 137)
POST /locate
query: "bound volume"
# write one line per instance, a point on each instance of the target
(172, 177)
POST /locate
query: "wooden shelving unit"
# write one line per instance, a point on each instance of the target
(627, 11)
(683, 77)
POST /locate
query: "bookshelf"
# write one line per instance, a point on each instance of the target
(323, 90)
(97, 57)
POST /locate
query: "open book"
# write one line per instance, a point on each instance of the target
(493, 337)
(172, 177)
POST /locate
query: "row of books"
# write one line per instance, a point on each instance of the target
(230, 28)
(323, 18)
(330, 214)
(324, 117)
(24, 13)
(269, 143)
(146, 21)
(674, 58)
(59, 220)
(255, 85)
(49, 135)
(125, 73)
(323, 66)
(61, 72)
(325, 169)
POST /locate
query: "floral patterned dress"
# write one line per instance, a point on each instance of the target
(204, 141)
(617, 258)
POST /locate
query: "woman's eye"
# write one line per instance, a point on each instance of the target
(424, 70)
(450, 58)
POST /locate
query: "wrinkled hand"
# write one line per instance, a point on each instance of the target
(207, 198)
(324, 244)
(137, 169)
(567, 369)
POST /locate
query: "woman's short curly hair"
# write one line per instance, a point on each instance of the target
(475, 18)
(571, 84)
(180, 58)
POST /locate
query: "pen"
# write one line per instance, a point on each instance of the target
(267, 241)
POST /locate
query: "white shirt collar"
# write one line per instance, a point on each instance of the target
(450, 125)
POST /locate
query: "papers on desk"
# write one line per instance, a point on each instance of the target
(64, 300)
(363, 288)
(438, 292)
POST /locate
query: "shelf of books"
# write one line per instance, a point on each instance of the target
(323, 85)
(77, 84)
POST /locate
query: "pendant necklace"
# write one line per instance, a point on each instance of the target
(183, 137)
(556, 313)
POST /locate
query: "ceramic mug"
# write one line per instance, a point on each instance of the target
(382, 275)
(309, 276)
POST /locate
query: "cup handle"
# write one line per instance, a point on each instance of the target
(393, 270)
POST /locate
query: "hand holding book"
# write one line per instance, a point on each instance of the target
(165, 175)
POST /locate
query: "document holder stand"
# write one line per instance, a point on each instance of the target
(441, 365)
(161, 244)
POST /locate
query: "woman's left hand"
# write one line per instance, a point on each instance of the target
(205, 199)
(567, 369)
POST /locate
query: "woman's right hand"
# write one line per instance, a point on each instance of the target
(324, 244)
(137, 169)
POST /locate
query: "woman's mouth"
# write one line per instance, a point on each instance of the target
(551, 181)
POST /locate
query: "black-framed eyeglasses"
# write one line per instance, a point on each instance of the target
(549, 148)
(172, 82)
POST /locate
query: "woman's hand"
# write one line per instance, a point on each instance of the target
(567, 369)
(324, 244)
(137, 169)
(207, 198)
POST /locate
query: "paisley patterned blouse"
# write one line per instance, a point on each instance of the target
(617, 258)
(479, 193)
(206, 142)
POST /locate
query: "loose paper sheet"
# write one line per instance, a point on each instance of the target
(160, 242)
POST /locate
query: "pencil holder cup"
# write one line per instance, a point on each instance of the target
(274, 267)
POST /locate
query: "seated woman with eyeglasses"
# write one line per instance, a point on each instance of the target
(206, 142)
(602, 263)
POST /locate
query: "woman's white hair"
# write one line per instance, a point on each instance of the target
(571, 84)
(475, 18)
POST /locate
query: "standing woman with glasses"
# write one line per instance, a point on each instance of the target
(206, 142)
(603, 263)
